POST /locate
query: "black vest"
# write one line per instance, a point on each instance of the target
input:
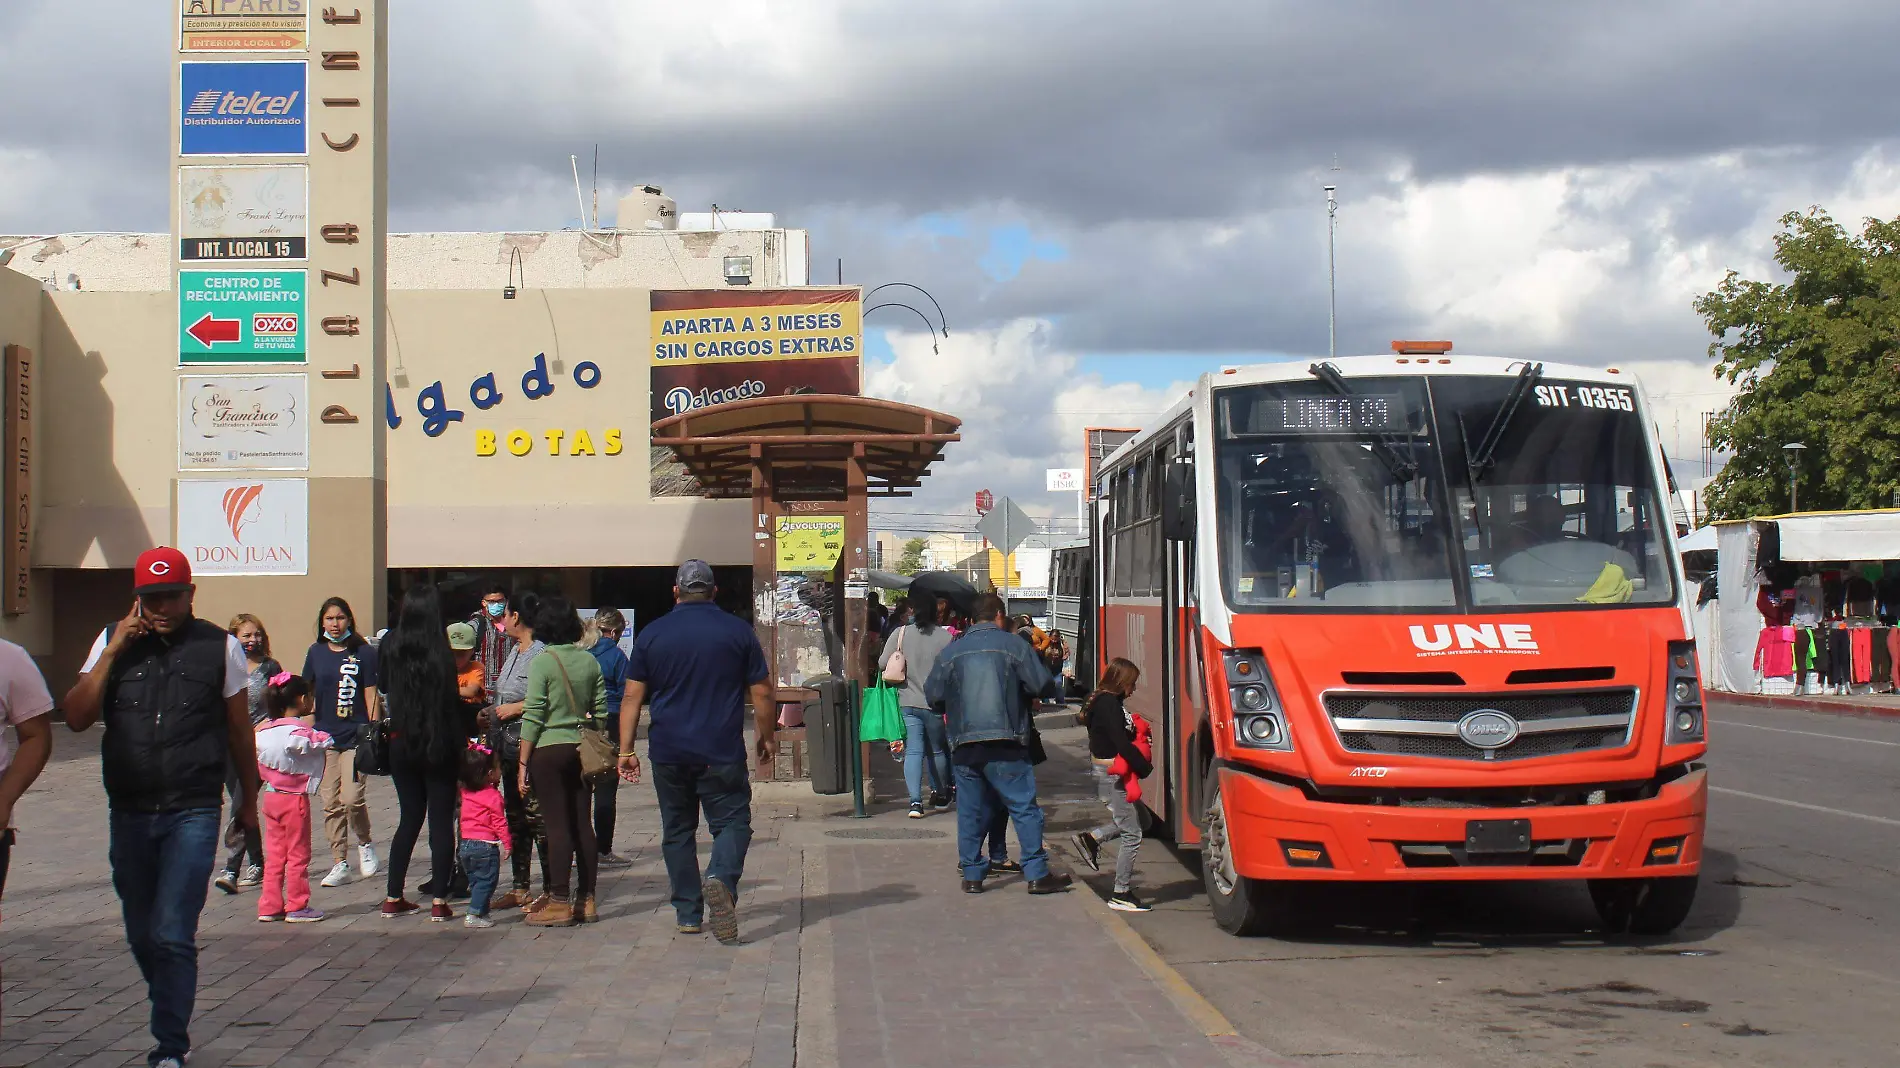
(166, 733)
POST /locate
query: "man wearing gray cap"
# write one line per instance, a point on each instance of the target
(698, 665)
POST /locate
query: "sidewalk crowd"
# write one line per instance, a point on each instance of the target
(506, 736)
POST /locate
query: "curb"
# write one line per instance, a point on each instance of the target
(1237, 1050)
(1825, 705)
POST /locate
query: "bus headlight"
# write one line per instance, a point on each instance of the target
(1259, 722)
(1684, 709)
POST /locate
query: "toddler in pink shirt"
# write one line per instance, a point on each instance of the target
(484, 830)
(290, 763)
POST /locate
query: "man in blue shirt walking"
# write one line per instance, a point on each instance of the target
(699, 665)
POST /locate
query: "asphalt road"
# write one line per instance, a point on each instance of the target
(1791, 956)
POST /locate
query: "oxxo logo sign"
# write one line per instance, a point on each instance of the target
(274, 325)
(1455, 639)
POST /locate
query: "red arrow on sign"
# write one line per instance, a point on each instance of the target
(210, 331)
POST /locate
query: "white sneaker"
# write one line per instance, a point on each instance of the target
(367, 856)
(252, 875)
(338, 875)
(477, 922)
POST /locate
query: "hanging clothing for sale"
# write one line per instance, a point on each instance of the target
(1860, 597)
(1809, 658)
(1882, 668)
(1817, 643)
(1774, 611)
(1774, 652)
(1808, 604)
(1893, 654)
(1863, 653)
(1840, 657)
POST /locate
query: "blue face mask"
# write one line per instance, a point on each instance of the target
(343, 637)
(495, 610)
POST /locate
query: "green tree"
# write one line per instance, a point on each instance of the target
(1816, 359)
(912, 559)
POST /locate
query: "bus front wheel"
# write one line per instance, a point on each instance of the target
(1643, 906)
(1241, 906)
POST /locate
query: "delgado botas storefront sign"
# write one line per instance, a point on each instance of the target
(715, 346)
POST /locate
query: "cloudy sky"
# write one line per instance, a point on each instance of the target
(1108, 198)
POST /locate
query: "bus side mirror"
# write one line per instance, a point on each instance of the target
(1177, 502)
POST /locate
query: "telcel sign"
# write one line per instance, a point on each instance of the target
(243, 109)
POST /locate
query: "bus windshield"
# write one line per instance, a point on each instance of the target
(1368, 501)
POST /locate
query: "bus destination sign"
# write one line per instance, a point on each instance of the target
(1334, 415)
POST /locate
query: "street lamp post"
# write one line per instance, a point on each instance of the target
(1332, 276)
(1793, 449)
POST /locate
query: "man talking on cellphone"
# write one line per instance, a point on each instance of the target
(172, 690)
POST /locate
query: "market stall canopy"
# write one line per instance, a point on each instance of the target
(1698, 541)
(1818, 537)
(806, 443)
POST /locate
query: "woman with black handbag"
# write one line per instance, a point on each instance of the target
(504, 737)
(423, 711)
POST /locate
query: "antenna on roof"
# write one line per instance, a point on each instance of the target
(574, 161)
(596, 185)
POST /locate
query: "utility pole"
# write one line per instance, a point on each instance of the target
(1332, 273)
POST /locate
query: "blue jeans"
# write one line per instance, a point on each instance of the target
(161, 865)
(725, 792)
(1010, 784)
(482, 863)
(924, 736)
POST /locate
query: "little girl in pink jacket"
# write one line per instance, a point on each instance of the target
(290, 762)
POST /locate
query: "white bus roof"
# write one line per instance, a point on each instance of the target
(1384, 366)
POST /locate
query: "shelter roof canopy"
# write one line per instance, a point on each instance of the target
(802, 445)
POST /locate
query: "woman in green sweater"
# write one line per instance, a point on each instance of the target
(564, 688)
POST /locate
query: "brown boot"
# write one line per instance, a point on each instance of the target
(590, 913)
(556, 913)
(536, 905)
(513, 899)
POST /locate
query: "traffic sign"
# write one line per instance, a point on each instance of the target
(1006, 526)
(241, 316)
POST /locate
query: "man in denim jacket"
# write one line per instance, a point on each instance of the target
(982, 680)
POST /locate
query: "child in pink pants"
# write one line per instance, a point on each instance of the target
(290, 762)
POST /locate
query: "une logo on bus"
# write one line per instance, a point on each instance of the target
(1438, 639)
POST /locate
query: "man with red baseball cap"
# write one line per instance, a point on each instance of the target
(173, 691)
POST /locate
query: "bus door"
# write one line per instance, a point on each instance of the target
(1181, 676)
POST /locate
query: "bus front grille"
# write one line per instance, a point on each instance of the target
(1547, 723)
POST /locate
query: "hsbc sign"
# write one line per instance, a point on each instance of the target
(1455, 639)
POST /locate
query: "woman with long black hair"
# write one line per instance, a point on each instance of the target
(426, 739)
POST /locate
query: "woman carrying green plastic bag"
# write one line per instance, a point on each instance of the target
(881, 721)
(909, 655)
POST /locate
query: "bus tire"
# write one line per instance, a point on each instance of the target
(1241, 906)
(1643, 906)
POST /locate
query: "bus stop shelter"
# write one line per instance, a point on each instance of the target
(810, 464)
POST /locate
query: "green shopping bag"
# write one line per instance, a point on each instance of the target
(881, 721)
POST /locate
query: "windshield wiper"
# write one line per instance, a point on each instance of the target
(1403, 468)
(1479, 460)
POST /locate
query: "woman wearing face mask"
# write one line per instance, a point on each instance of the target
(509, 693)
(250, 633)
(341, 668)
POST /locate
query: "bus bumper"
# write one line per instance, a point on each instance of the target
(1276, 832)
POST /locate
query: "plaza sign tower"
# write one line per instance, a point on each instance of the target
(279, 195)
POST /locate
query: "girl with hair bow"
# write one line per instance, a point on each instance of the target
(484, 830)
(290, 763)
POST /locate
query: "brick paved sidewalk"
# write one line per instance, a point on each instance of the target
(856, 953)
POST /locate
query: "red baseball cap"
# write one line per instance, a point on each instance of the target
(161, 570)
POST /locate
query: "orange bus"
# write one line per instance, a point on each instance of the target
(1409, 617)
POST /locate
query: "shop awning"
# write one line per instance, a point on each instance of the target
(1818, 537)
(804, 444)
(1696, 541)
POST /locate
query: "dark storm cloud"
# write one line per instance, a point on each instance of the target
(1127, 133)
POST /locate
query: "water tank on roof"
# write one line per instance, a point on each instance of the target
(646, 208)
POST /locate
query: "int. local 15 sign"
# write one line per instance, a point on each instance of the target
(244, 109)
(243, 213)
(244, 25)
(241, 316)
(245, 526)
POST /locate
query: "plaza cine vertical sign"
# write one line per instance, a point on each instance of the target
(279, 194)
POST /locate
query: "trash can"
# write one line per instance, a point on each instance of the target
(830, 731)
